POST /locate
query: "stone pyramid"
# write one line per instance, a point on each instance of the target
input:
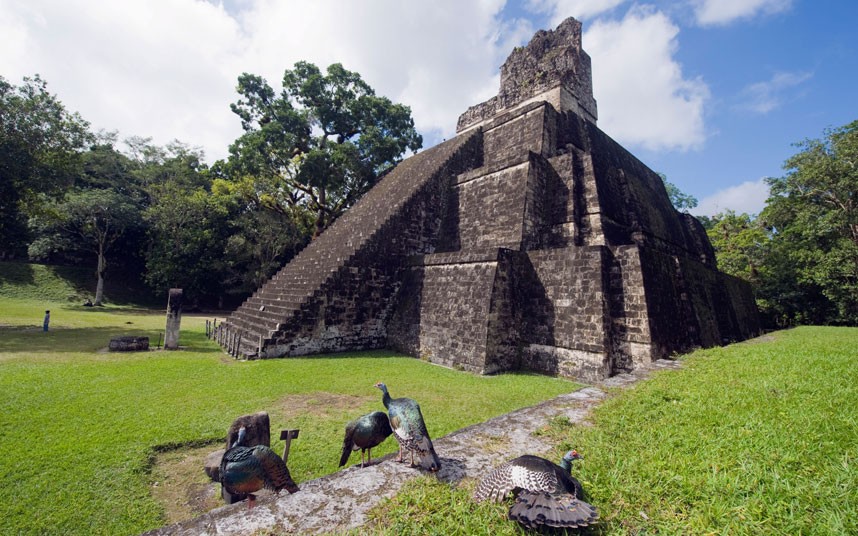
(531, 240)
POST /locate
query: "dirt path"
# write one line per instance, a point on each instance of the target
(340, 501)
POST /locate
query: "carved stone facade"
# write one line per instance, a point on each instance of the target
(531, 240)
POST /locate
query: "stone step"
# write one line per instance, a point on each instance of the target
(272, 304)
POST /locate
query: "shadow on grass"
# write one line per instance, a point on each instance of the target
(17, 273)
(91, 339)
(72, 284)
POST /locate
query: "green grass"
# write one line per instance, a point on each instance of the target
(66, 284)
(754, 438)
(80, 428)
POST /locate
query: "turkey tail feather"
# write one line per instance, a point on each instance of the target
(276, 473)
(348, 445)
(533, 509)
(428, 457)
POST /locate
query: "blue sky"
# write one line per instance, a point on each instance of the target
(713, 93)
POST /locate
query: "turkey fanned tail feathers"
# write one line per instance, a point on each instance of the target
(535, 508)
(546, 494)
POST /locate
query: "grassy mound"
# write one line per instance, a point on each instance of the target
(67, 284)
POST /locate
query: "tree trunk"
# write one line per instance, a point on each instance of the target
(99, 287)
(320, 214)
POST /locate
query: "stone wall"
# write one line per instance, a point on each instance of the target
(565, 314)
(552, 68)
(444, 307)
(350, 309)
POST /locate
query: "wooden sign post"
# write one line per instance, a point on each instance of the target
(287, 436)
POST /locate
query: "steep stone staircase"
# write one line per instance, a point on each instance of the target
(253, 327)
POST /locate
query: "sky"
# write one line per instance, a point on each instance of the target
(712, 93)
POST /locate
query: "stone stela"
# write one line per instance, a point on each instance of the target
(174, 319)
(531, 240)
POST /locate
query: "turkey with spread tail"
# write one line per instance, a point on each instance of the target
(546, 495)
(245, 470)
(408, 427)
(364, 433)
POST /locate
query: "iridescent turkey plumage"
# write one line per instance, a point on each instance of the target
(245, 470)
(406, 421)
(545, 493)
(364, 433)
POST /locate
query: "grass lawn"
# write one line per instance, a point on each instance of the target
(755, 438)
(80, 428)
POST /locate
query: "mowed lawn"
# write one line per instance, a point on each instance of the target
(80, 427)
(756, 438)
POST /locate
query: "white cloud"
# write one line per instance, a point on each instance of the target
(764, 97)
(642, 95)
(582, 10)
(439, 58)
(168, 68)
(749, 197)
(162, 69)
(720, 12)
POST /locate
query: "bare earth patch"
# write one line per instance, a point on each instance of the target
(181, 487)
(320, 403)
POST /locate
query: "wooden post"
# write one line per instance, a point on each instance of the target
(287, 436)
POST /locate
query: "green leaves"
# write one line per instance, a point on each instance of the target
(40, 144)
(813, 211)
(322, 143)
(679, 199)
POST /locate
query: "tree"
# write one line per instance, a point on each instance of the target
(679, 199)
(321, 143)
(40, 144)
(187, 235)
(86, 220)
(261, 241)
(741, 245)
(813, 211)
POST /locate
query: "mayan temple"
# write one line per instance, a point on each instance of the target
(531, 240)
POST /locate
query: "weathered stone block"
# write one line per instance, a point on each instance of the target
(129, 344)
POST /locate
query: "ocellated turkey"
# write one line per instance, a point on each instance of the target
(364, 433)
(545, 493)
(406, 421)
(245, 470)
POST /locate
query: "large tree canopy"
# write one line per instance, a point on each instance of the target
(813, 211)
(321, 143)
(40, 144)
